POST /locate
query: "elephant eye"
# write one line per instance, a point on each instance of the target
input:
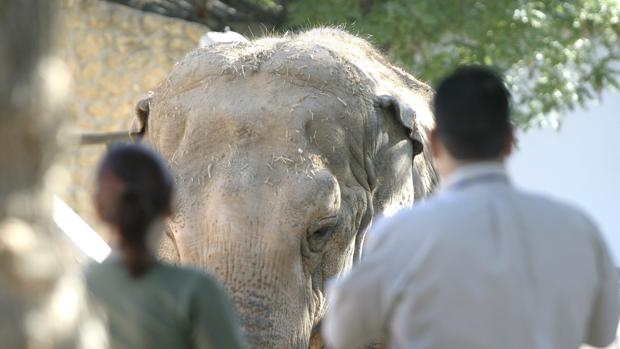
(320, 233)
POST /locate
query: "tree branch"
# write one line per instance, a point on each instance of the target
(277, 16)
(214, 13)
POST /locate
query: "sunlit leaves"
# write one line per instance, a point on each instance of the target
(556, 55)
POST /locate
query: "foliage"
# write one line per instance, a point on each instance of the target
(556, 55)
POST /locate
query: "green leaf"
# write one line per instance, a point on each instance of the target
(559, 53)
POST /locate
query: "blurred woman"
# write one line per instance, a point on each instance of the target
(147, 303)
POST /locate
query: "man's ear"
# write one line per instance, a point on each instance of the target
(405, 116)
(511, 142)
(433, 142)
(141, 122)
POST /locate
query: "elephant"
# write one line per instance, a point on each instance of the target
(285, 149)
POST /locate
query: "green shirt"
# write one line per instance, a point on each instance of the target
(168, 307)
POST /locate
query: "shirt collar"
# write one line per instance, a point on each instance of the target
(475, 172)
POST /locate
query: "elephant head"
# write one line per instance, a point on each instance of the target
(284, 150)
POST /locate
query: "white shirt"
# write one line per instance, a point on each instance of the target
(481, 265)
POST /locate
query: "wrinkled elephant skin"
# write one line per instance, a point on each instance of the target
(284, 149)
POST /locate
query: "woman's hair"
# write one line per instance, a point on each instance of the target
(144, 196)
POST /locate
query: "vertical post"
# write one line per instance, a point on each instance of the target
(33, 257)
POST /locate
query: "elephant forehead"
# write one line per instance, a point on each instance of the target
(228, 112)
(260, 90)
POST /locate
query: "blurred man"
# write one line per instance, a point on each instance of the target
(482, 264)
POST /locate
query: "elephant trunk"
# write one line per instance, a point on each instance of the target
(264, 279)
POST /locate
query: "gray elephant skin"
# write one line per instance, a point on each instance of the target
(284, 150)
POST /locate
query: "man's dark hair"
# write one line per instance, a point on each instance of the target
(472, 113)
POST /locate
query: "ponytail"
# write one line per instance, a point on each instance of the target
(144, 198)
(134, 220)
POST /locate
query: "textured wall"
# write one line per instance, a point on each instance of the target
(115, 54)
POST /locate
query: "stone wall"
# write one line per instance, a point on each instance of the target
(115, 55)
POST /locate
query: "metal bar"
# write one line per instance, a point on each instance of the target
(104, 137)
(85, 238)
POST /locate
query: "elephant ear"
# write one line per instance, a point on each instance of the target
(141, 122)
(168, 250)
(405, 116)
(424, 174)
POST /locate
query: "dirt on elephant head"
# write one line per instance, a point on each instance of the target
(285, 149)
(327, 59)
